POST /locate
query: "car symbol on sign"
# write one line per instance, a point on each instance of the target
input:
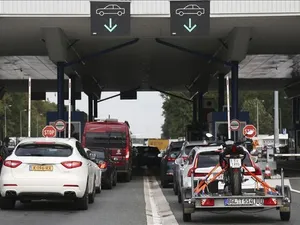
(111, 9)
(191, 9)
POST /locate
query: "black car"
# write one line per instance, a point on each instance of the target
(167, 163)
(147, 156)
(107, 166)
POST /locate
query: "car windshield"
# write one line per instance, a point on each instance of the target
(106, 139)
(44, 150)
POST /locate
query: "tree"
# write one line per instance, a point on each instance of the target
(16, 104)
(265, 119)
(178, 113)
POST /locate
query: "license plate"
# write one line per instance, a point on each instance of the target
(242, 201)
(41, 168)
(235, 163)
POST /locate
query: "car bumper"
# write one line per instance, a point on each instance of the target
(63, 187)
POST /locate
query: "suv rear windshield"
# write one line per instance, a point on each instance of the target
(44, 150)
(106, 139)
(211, 159)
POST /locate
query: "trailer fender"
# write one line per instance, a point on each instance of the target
(287, 200)
(188, 207)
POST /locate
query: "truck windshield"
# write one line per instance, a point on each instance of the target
(106, 139)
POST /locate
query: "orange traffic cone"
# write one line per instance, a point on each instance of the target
(267, 173)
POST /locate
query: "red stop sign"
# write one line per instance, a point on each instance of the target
(249, 131)
(49, 131)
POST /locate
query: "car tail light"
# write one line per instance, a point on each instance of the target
(102, 165)
(72, 164)
(170, 159)
(185, 158)
(127, 153)
(270, 201)
(12, 163)
(192, 170)
(207, 202)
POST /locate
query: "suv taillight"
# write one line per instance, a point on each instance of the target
(127, 153)
(102, 165)
(72, 164)
(170, 159)
(12, 163)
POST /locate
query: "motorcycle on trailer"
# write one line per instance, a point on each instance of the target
(233, 177)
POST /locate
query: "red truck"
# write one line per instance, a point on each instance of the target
(116, 137)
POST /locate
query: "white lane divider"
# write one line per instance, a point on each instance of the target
(158, 210)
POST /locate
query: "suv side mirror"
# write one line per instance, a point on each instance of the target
(160, 155)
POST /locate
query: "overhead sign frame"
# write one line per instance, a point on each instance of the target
(110, 18)
(190, 18)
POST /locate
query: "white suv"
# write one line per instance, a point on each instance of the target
(47, 168)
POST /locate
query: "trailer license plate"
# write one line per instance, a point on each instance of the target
(242, 201)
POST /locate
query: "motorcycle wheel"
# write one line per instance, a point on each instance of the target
(236, 182)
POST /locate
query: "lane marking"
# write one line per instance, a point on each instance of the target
(158, 210)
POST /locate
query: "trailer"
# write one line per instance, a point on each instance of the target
(205, 196)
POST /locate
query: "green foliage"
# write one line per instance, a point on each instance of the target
(16, 105)
(178, 113)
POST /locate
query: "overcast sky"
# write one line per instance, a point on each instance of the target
(144, 114)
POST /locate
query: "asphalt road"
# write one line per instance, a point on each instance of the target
(126, 205)
(123, 205)
(236, 218)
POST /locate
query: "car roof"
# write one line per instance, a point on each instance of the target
(191, 143)
(70, 141)
(206, 149)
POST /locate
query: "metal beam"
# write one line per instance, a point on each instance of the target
(110, 97)
(116, 95)
(170, 94)
(196, 53)
(96, 54)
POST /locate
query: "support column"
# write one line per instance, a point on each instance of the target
(95, 107)
(234, 90)
(60, 90)
(221, 92)
(90, 107)
(200, 108)
(73, 89)
(195, 104)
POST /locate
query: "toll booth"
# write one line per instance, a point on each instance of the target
(218, 126)
(194, 132)
(78, 122)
